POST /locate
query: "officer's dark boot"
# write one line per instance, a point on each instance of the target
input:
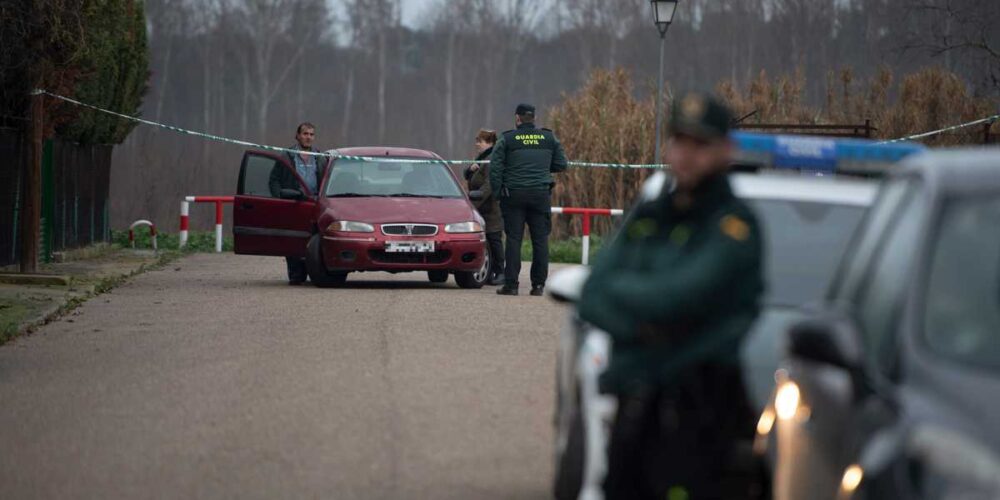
(497, 279)
(537, 290)
(507, 290)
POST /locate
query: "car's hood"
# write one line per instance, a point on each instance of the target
(377, 210)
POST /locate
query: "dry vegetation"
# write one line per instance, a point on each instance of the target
(604, 122)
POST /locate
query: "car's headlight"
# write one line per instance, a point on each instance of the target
(351, 227)
(464, 227)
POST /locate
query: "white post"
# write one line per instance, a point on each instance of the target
(586, 249)
(185, 212)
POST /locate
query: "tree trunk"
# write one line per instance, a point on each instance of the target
(449, 95)
(381, 86)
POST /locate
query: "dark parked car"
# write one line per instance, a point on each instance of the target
(808, 212)
(891, 388)
(369, 215)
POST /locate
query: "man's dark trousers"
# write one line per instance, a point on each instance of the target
(296, 269)
(534, 208)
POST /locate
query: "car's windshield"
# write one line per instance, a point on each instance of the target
(962, 313)
(804, 243)
(353, 178)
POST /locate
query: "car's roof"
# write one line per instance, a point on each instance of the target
(765, 185)
(957, 169)
(388, 151)
(834, 190)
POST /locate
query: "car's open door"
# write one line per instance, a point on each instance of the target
(264, 223)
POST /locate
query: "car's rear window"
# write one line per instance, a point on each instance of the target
(371, 178)
(804, 242)
(962, 311)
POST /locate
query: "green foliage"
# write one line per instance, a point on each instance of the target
(93, 50)
(115, 68)
(198, 241)
(564, 251)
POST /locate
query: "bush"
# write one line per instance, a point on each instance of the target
(603, 122)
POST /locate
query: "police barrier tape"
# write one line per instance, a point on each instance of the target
(277, 149)
(988, 119)
(185, 225)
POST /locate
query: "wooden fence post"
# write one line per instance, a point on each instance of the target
(31, 201)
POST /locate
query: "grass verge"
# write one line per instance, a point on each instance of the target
(32, 307)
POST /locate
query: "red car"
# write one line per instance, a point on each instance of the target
(368, 216)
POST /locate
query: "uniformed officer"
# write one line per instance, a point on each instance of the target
(677, 290)
(521, 169)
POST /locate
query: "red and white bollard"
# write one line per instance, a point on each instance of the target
(587, 213)
(142, 222)
(185, 212)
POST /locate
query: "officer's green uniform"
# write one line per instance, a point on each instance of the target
(676, 290)
(521, 169)
(676, 287)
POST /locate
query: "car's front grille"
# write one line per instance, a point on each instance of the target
(383, 257)
(409, 229)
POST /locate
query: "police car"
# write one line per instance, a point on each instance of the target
(891, 386)
(808, 211)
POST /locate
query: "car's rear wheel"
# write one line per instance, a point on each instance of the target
(475, 279)
(318, 273)
(437, 276)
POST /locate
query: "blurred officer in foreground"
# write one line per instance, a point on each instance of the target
(677, 291)
(521, 169)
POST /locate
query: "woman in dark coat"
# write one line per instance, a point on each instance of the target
(478, 177)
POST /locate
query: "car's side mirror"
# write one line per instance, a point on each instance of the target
(291, 194)
(829, 340)
(566, 285)
(476, 195)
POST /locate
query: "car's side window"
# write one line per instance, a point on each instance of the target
(857, 262)
(962, 296)
(255, 178)
(880, 298)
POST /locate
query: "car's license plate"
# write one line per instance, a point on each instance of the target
(409, 246)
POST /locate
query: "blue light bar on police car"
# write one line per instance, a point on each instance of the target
(818, 154)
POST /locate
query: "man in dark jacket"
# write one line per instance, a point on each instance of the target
(305, 176)
(521, 169)
(676, 291)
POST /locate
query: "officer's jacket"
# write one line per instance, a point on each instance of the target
(676, 287)
(525, 159)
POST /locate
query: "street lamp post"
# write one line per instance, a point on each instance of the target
(663, 15)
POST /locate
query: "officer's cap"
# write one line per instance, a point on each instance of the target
(700, 116)
(525, 110)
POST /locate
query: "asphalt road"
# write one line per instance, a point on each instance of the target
(214, 378)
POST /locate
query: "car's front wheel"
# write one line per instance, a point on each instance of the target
(437, 276)
(318, 273)
(475, 279)
(570, 463)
